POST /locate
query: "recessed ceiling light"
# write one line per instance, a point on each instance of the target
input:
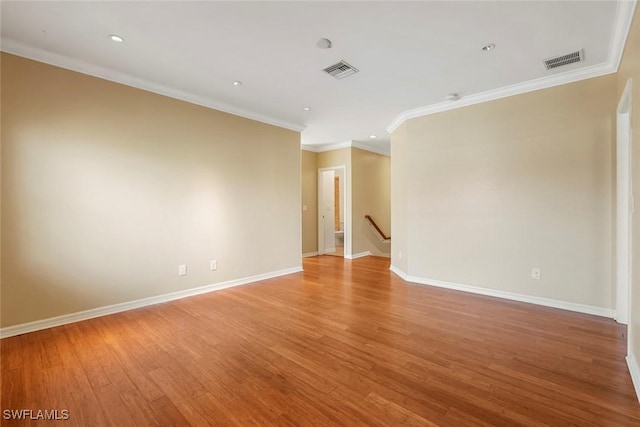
(489, 47)
(116, 38)
(237, 83)
(373, 136)
(307, 109)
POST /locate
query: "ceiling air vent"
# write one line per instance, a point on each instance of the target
(340, 70)
(562, 60)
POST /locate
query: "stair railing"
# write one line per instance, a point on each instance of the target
(383, 237)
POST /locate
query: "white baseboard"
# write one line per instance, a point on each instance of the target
(547, 302)
(634, 370)
(130, 305)
(399, 273)
(358, 255)
(310, 254)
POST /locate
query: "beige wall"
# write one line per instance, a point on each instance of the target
(106, 189)
(310, 200)
(630, 67)
(498, 188)
(331, 158)
(399, 186)
(371, 188)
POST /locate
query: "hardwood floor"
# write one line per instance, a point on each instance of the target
(344, 343)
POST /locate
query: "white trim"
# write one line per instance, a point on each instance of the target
(625, 11)
(365, 147)
(399, 272)
(346, 197)
(17, 48)
(547, 302)
(634, 371)
(624, 206)
(321, 148)
(622, 25)
(624, 105)
(310, 254)
(130, 305)
(358, 255)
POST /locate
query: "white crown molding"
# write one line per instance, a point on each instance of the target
(321, 148)
(363, 146)
(504, 92)
(634, 370)
(130, 305)
(622, 25)
(20, 49)
(547, 302)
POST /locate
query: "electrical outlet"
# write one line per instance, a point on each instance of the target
(535, 273)
(213, 265)
(182, 270)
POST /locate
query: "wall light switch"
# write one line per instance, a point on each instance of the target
(304, 208)
(213, 265)
(182, 270)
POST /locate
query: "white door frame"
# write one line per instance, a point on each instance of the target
(347, 210)
(624, 206)
(326, 212)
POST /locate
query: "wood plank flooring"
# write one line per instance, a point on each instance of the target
(345, 343)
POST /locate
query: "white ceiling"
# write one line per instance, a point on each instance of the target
(410, 54)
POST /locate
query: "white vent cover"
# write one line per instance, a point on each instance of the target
(340, 70)
(562, 60)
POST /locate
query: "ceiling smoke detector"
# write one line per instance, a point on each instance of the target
(453, 97)
(562, 60)
(324, 44)
(340, 70)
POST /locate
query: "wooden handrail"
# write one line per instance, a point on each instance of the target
(374, 225)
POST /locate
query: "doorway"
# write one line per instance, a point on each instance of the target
(331, 211)
(624, 206)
